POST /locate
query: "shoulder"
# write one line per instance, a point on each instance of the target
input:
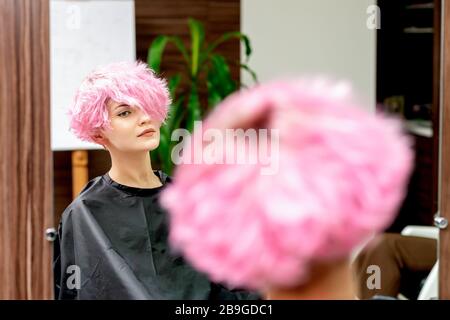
(91, 186)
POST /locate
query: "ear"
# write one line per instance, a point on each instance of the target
(99, 138)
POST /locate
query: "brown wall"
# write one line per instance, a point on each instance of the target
(25, 155)
(155, 17)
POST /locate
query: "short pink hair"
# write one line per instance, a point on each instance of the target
(132, 83)
(342, 176)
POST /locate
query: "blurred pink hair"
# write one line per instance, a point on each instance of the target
(132, 83)
(342, 176)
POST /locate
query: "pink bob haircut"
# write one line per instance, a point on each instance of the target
(342, 176)
(132, 83)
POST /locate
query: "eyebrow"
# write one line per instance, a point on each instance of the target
(120, 105)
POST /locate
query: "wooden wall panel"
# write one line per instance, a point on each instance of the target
(25, 157)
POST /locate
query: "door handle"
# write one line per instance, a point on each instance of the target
(50, 234)
(441, 222)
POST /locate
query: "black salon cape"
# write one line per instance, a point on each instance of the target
(118, 238)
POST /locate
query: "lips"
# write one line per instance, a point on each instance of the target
(146, 131)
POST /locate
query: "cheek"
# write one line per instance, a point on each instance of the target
(119, 134)
(122, 128)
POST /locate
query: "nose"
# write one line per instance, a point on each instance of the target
(144, 118)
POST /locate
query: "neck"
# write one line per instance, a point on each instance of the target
(133, 169)
(328, 281)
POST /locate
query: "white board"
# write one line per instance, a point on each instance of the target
(83, 35)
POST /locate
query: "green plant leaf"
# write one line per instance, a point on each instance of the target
(219, 76)
(163, 152)
(157, 47)
(173, 83)
(179, 114)
(164, 149)
(214, 97)
(160, 153)
(194, 108)
(181, 47)
(250, 71)
(224, 38)
(155, 51)
(175, 112)
(197, 39)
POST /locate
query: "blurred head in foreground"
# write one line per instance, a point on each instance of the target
(340, 177)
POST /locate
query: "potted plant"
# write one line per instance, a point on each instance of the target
(204, 67)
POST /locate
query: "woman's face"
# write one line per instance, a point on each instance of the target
(131, 129)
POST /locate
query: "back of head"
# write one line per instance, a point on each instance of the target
(341, 175)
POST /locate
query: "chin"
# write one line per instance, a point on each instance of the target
(151, 145)
(144, 147)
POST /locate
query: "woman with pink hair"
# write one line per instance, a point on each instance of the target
(340, 176)
(112, 240)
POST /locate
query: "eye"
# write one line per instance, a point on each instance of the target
(124, 113)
